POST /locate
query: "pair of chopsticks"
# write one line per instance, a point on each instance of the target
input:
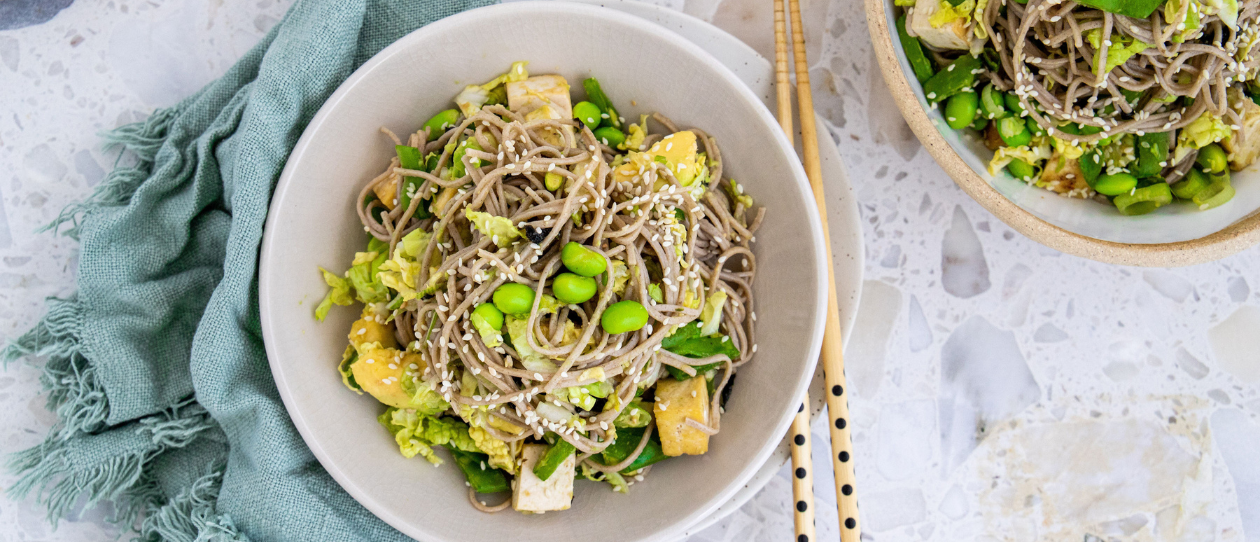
(832, 355)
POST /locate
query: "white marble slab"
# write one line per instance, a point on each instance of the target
(1001, 390)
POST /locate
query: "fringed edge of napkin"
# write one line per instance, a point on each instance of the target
(51, 470)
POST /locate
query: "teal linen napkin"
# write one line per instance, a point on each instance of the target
(156, 368)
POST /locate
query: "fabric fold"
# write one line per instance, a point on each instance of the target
(155, 368)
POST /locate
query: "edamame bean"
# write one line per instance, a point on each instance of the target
(573, 289)
(513, 298)
(610, 136)
(960, 109)
(553, 181)
(1115, 184)
(582, 260)
(1034, 128)
(1212, 158)
(441, 122)
(1020, 169)
(1013, 131)
(624, 316)
(588, 113)
(491, 314)
(1012, 103)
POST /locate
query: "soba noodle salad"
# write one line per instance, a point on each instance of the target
(1136, 103)
(549, 292)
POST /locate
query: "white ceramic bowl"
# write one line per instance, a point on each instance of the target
(1171, 236)
(312, 223)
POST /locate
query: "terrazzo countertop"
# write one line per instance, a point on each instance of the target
(1001, 390)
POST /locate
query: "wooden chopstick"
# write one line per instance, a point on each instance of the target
(802, 452)
(832, 354)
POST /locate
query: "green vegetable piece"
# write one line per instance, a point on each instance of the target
(596, 96)
(553, 181)
(1012, 103)
(627, 441)
(1020, 169)
(1194, 182)
(1034, 128)
(482, 477)
(1212, 158)
(513, 298)
(624, 316)
(441, 122)
(914, 52)
(550, 461)
(688, 341)
(992, 103)
(1013, 131)
(1138, 9)
(588, 113)
(410, 158)
(1144, 200)
(1152, 154)
(573, 289)
(491, 314)
(610, 136)
(1091, 166)
(457, 158)
(634, 415)
(1115, 184)
(981, 123)
(1215, 195)
(955, 78)
(582, 260)
(960, 110)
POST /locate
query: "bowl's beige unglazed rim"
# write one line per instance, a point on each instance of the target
(1230, 240)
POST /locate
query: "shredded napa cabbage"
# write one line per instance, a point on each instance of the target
(498, 228)
(711, 315)
(1206, 129)
(417, 434)
(1226, 10)
(949, 13)
(977, 14)
(338, 294)
(1122, 48)
(347, 376)
(1033, 154)
(1191, 22)
(473, 97)
(530, 358)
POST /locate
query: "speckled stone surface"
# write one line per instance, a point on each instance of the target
(1001, 390)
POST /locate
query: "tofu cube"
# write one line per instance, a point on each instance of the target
(534, 92)
(380, 372)
(676, 401)
(387, 192)
(364, 331)
(533, 495)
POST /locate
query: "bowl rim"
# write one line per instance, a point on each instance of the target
(1230, 240)
(270, 249)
